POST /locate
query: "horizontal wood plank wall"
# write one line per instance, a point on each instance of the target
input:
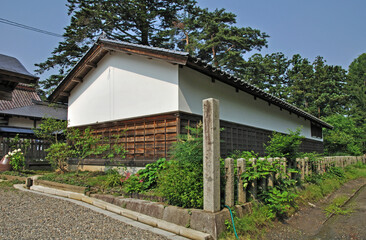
(244, 138)
(146, 139)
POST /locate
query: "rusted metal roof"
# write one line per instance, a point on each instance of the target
(103, 46)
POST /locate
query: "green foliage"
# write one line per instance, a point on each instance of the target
(212, 36)
(113, 179)
(182, 184)
(336, 207)
(50, 129)
(57, 155)
(345, 138)
(133, 184)
(16, 159)
(79, 144)
(16, 143)
(149, 175)
(279, 198)
(285, 145)
(189, 147)
(252, 225)
(279, 201)
(357, 90)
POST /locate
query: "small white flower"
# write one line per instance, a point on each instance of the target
(9, 153)
(6, 156)
(19, 150)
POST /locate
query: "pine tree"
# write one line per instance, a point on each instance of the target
(135, 21)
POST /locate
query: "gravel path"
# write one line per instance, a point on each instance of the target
(31, 216)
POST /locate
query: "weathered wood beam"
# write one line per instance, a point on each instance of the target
(91, 64)
(14, 79)
(77, 80)
(65, 94)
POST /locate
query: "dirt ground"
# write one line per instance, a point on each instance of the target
(311, 221)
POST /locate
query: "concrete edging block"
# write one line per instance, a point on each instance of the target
(87, 199)
(193, 234)
(129, 214)
(168, 227)
(99, 204)
(147, 220)
(176, 215)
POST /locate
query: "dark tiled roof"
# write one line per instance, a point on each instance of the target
(11, 64)
(23, 95)
(38, 111)
(27, 103)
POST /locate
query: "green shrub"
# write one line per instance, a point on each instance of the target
(149, 175)
(182, 184)
(113, 179)
(57, 155)
(133, 184)
(16, 159)
(284, 145)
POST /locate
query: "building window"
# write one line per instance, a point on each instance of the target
(316, 131)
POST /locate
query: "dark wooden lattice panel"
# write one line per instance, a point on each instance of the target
(243, 138)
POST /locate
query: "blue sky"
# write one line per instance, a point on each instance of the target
(334, 29)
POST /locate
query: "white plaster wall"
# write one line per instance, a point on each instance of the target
(239, 107)
(124, 86)
(21, 122)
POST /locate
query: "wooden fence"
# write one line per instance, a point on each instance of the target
(304, 167)
(34, 150)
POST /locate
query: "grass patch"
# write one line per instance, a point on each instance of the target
(84, 179)
(336, 207)
(24, 173)
(8, 185)
(251, 226)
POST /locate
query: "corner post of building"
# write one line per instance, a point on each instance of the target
(211, 155)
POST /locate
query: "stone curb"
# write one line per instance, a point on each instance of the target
(154, 222)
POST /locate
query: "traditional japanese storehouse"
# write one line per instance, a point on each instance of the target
(154, 93)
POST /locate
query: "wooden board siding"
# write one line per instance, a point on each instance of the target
(149, 138)
(146, 139)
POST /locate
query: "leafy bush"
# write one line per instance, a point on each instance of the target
(16, 159)
(149, 175)
(279, 201)
(189, 147)
(345, 138)
(284, 145)
(113, 179)
(133, 184)
(182, 184)
(57, 155)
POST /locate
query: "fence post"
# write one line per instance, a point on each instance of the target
(254, 185)
(229, 185)
(302, 168)
(306, 166)
(270, 177)
(211, 155)
(241, 191)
